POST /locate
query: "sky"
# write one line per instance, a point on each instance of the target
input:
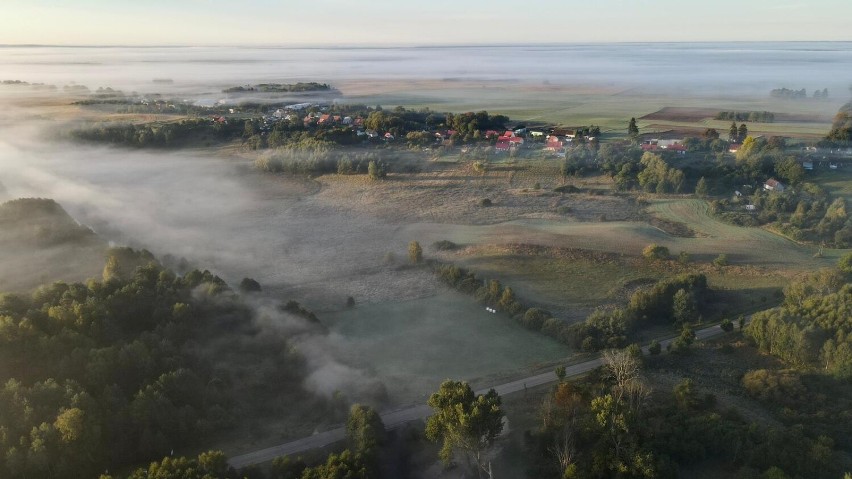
(425, 22)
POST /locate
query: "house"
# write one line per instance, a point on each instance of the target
(372, 134)
(325, 119)
(536, 133)
(734, 147)
(832, 165)
(502, 146)
(808, 165)
(347, 120)
(553, 143)
(388, 136)
(773, 185)
(751, 208)
(491, 134)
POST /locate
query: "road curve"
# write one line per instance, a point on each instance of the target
(397, 418)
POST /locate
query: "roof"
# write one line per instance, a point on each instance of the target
(773, 183)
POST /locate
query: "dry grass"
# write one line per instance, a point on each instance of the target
(451, 193)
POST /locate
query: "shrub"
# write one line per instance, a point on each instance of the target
(248, 285)
(485, 202)
(721, 260)
(534, 318)
(727, 325)
(444, 245)
(655, 348)
(655, 252)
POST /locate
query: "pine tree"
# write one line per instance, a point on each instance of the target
(733, 133)
(632, 129)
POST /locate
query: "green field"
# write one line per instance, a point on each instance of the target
(414, 345)
(609, 108)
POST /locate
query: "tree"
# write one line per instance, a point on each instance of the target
(375, 171)
(560, 373)
(845, 263)
(701, 187)
(733, 133)
(790, 170)
(464, 422)
(686, 394)
(415, 252)
(742, 132)
(727, 325)
(683, 307)
(721, 260)
(632, 129)
(364, 429)
(684, 340)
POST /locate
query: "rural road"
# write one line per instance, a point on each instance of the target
(394, 419)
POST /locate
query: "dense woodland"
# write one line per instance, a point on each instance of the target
(130, 367)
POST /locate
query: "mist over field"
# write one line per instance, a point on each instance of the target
(718, 68)
(213, 209)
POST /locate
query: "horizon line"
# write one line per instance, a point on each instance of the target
(402, 45)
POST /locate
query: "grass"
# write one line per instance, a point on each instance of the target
(414, 345)
(836, 182)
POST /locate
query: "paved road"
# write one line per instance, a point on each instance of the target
(394, 419)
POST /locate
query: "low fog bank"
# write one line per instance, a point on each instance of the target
(722, 68)
(219, 214)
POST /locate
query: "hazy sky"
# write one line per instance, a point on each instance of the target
(283, 22)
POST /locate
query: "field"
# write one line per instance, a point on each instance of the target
(414, 345)
(608, 107)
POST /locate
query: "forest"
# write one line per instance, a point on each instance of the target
(127, 368)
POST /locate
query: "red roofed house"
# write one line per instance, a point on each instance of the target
(491, 134)
(502, 145)
(554, 143)
(773, 185)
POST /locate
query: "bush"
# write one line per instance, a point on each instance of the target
(721, 261)
(248, 285)
(485, 202)
(534, 318)
(655, 348)
(655, 252)
(727, 325)
(444, 245)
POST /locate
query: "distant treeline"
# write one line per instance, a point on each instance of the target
(755, 116)
(797, 94)
(280, 87)
(162, 135)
